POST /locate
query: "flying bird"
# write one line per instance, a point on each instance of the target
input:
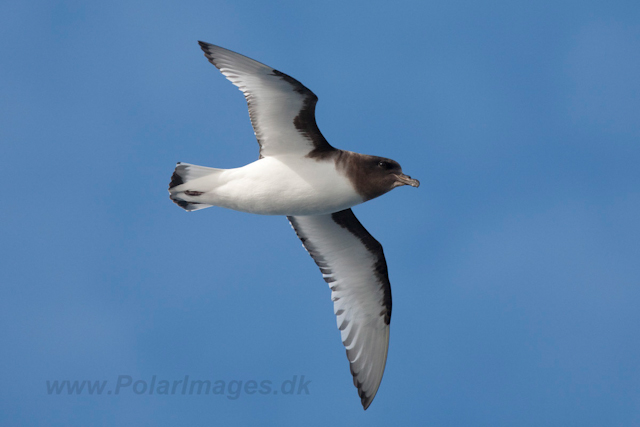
(300, 175)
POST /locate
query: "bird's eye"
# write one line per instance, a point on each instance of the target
(384, 165)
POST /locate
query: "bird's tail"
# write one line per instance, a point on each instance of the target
(187, 185)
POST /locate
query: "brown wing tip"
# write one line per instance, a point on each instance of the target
(366, 401)
(206, 49)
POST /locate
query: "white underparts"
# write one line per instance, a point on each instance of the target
(282, 185)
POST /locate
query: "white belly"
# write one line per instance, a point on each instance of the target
(283, 186)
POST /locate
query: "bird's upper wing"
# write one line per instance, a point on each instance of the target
(282, 110)
(353, 264)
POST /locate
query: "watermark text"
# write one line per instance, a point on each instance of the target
(186, 386)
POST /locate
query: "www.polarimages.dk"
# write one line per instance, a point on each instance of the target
(232, 389)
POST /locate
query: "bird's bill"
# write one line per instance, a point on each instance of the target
(403, 179)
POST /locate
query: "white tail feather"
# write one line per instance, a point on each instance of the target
(184, 191)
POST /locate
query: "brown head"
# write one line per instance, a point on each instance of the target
(373, 176)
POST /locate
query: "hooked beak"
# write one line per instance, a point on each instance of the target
(403, 179)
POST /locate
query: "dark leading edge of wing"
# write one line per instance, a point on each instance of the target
(352, 263)
(282, 110)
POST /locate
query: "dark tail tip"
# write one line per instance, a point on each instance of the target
(175, 179)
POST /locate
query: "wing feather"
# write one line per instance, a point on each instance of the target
(352, 263)
(282, 110)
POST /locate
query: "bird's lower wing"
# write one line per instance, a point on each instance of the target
(352, 263)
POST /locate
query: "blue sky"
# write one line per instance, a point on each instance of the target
(514, 267)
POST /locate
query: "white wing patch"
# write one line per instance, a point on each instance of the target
(353, 264)
(282, 110)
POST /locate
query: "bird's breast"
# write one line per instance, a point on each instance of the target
(286, 186)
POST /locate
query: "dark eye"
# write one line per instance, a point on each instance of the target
(384, 165)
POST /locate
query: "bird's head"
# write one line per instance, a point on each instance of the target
(391, 172)
(375, 176)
